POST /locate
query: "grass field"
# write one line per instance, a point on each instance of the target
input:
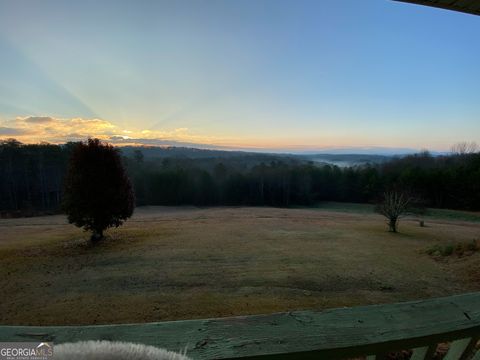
(179, 263)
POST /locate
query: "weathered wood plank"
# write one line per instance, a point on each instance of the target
(329, 334)
(457, 349)
(467, 354)
(477, 356)
(420, 353)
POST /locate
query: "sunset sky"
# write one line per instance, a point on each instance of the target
(262, 74)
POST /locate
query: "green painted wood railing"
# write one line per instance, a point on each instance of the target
(331, 334)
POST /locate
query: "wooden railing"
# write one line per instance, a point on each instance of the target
(372, 331)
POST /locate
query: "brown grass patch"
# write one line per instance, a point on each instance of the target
(180, 263)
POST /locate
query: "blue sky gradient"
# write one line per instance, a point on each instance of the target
(274, 74)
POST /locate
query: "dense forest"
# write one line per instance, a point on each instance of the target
(31, 178)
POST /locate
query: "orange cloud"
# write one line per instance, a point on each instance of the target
(45, 128)
(34, 129)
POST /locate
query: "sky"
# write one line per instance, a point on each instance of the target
(277, 75)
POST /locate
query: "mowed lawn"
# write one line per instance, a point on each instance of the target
(182, 263)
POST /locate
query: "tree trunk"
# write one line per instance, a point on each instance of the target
(392, 225)
(96, 236)
(262, 186)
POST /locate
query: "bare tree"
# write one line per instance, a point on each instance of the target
(393, 206)
(463, 148)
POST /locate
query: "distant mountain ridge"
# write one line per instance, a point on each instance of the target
(348, 159)
(192, 153)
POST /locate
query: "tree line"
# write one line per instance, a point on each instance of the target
(32, 180)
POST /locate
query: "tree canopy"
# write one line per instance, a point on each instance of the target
(32, 178)
(98, 193)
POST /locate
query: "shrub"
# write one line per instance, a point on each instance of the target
(459, 249)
